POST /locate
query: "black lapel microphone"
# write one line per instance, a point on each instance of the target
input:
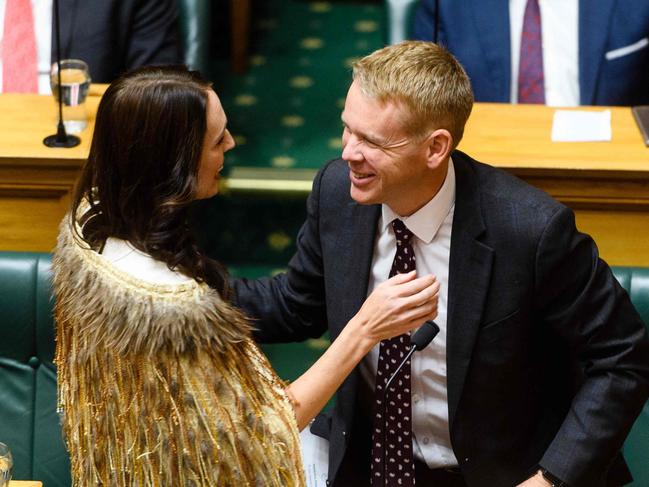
(418, 341)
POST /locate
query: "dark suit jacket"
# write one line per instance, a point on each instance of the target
(548, 361)
(477, 33)
(114, 36)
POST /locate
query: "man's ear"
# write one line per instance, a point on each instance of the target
(439, 147)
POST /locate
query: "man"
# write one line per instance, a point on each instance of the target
(111, 36)
(588, 52)
(541, 364)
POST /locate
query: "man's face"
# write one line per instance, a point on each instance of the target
(386, 165)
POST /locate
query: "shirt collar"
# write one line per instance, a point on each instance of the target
(425, 222)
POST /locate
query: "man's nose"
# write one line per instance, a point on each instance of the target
(351, 149)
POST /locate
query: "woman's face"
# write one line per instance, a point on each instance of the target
(217, 142)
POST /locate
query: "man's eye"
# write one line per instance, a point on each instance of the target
(370, 143)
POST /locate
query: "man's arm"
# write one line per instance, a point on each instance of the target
(579, 298)
(291, 306)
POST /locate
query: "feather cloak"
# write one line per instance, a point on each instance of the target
(161, 385)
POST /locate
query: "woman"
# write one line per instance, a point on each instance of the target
(159, 380)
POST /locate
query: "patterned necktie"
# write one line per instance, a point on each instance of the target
(531, 87)
(392, 460)
(19, 68)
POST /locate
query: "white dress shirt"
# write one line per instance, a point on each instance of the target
(560, 33)
(431, 242)
(42, 10)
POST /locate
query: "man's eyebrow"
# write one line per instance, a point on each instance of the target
(368, 137)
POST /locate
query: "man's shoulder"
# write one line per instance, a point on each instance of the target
(495, 184)
(333, 178)
(506, 203)
(335, 168)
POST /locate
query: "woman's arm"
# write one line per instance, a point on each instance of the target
(396, 306)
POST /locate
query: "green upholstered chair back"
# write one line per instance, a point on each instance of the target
(195, 32)
(29, 423)
(636, 446)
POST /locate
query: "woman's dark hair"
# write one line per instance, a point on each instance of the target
(142, 171)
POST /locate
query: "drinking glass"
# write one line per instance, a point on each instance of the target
(75, 81)
(6, 465)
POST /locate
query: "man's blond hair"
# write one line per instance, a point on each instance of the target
(423, 76)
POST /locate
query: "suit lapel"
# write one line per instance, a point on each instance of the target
(68, 16)
(356, 248)
(469, 274)
(594, 25)
(493, 29)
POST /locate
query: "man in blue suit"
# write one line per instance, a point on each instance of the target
(609, 39)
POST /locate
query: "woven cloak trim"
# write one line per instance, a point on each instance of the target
(126, 314)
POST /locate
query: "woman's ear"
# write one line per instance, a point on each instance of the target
(439, 147)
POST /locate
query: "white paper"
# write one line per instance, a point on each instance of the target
(315, 455)
(581, 126)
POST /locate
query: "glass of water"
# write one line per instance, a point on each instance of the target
(6, 465)
(75, 81)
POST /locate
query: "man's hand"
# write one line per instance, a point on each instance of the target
(536, 481)
(397, 306)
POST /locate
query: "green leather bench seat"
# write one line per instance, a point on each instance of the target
(30, 425)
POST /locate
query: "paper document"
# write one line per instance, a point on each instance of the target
(581, 126)
(315, 455)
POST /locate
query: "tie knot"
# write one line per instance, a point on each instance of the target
(401, 232)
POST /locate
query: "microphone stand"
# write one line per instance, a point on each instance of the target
(61, 138)
(436, 22)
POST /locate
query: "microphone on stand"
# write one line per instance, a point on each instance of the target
(418, 341)
(61, 138)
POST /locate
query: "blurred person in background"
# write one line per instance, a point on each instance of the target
(557, 52)
(111, 36)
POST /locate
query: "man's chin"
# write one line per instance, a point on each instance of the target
(362, 197)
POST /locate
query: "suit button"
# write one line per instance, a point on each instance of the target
(344, 433)
(328, 483)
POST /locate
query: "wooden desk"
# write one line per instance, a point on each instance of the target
(606, 184)
(35, 180)
(25, 483)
